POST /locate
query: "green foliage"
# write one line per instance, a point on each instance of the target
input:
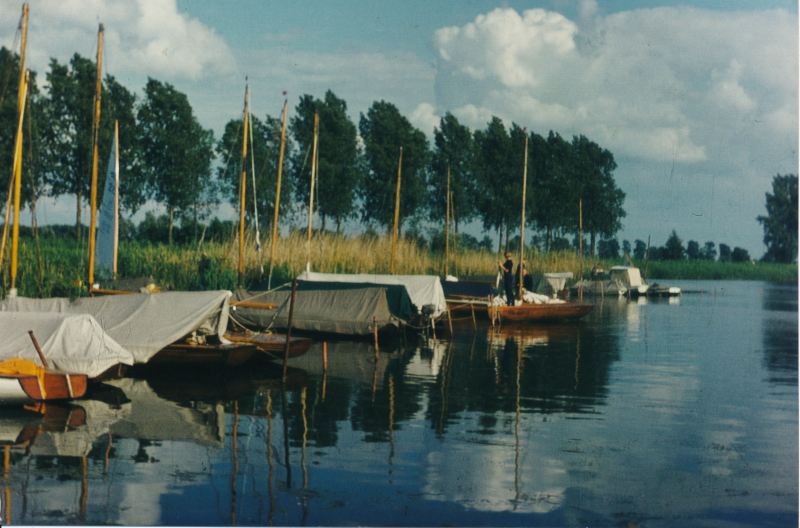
(708, 252)
(693, 250)
(724, 253)
(740, 255)
(608, 249)
(639, 249)
(453, 151)
(673, 249)
(384, 132)
(337, 174)
(263, 153)
(780, 224)
(498, 187)
(177, 151)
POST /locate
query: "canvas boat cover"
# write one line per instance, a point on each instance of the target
(423, 289)
(339, 311)
(142, 323)
(73, 343)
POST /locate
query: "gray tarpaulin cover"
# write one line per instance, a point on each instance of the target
(423, 289)
(349, 312)
(73, 343)
(143, 323)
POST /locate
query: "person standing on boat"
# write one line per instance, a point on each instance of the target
(508, 278)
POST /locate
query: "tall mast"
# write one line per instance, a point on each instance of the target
(396, 210)
(311, 190)
(522, 228)
(447, 228)
(17, 184)
(242, 185)
(277, 197)
(92, 220)
(116, 196)
(20, 110)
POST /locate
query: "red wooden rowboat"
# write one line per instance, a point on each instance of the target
(528, 312)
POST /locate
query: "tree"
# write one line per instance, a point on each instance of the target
(673, 249)
(337, 173)
(780, 224)
(177, 150)
(626, 247)
(708, 252)
(724, 253)
(264, 155)
(384, 131)
(495, 177)
(740, 255)
(608, 249)
(555, 200)
(639, 249)
(9, 119)
(454, 152)
(602, 200)
(693, 250)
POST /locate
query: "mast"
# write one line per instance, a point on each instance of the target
(17, 184)
(242, 184)
(580, 232)
(116, 196)
(277, 197)
(98, 92)
(396, 210)
(522, 228)
(311, 190)
(20, 110)
(447, 228)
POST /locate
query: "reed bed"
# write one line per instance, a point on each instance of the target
(59, 266)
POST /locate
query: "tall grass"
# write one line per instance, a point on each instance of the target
(214, 265)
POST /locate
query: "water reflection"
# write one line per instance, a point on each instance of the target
(646, 412)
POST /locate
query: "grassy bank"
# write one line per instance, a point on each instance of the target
(215, 265)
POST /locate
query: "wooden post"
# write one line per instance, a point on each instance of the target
(447, 229)
(472, 306)
(311, 190)
(375, 331)
(522, 228)
(277, 198)
(242, 186)
(289, 330)
(325, 356)
(396, 211)
(92, 219)
(450, 321)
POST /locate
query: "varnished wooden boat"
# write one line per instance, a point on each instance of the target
(27, 386)
(198, 355)
(528, 312)
(273, 346)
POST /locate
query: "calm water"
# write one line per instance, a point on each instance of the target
(656, 413)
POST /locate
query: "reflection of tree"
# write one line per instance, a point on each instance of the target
(780, 333)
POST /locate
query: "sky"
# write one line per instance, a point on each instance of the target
(697, 100)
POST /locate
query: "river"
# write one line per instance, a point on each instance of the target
(649, 412)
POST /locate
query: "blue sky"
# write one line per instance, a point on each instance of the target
(697, 100)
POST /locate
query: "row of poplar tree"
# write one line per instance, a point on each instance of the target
(167, 156)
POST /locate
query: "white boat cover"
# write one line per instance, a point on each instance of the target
(557, 281)
(73, 343)
(143, 323)
(423, 289)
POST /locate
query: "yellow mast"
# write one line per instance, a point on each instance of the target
(277, 197)
(311, 190)
(20, 109)
(396, 210)
(447, 228)
(92, 219)
(17, 184)
(522, 228)
(242, 186)
(116, 196)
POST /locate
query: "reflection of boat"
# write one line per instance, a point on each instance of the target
(273, 345)
(20, 426)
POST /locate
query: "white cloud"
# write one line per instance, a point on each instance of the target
(140, 38)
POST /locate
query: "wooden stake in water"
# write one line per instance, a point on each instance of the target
(396, 211)
(92, 219)
(289, 331)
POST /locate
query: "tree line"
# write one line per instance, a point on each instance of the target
(168, 157)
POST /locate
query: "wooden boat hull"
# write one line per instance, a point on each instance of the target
(273, 345)
(24, 389)
(193, 355)
(529, 312)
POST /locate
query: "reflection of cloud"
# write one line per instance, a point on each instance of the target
(426, 364)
